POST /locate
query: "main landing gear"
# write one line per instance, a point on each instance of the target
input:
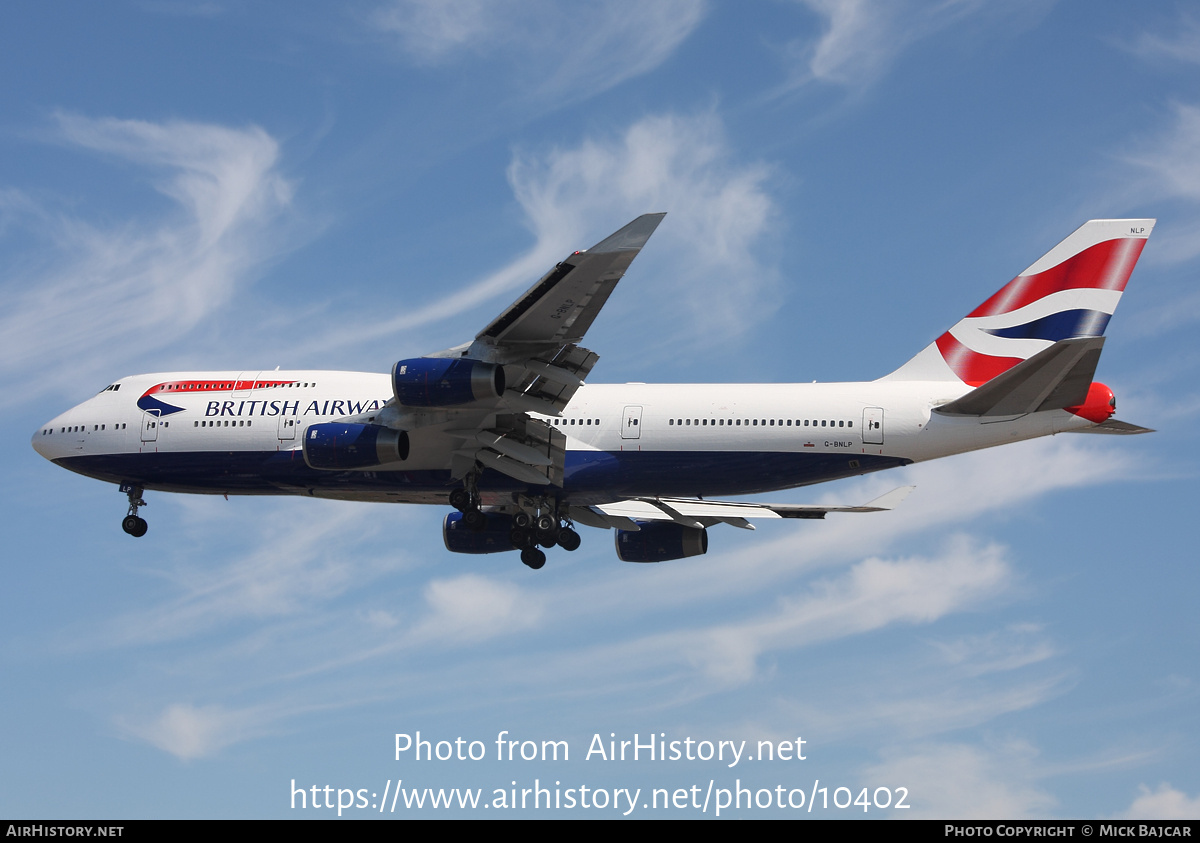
(537, 524)
(132, 524)
(544, 527)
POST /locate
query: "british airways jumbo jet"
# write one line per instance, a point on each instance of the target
(504, 430)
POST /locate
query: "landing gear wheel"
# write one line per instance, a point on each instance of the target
(134, 526)
(547, 540)
(474, 519)
(460, 499)
(521, 538)
(546, 523)
(568, 539)
(522, 519)
(533, 557)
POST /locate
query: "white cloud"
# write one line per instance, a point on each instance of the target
(1180, 43)
(1008, 649)
(1170, 163)
(555, 52)
(282, 566)
(719, 213)
(472, 608)
(960, 781)
(188, 731)
(1173, 157)
(1164, 803)
(862, 38)
(134, 286)
(875, 593)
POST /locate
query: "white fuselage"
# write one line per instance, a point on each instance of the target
(241, 433)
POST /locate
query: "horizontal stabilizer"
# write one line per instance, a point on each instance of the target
(1054, 378)
(1115, 426)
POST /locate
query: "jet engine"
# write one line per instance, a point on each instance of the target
(445, 381)
(658, 541)
(338, 445)
(493, 538)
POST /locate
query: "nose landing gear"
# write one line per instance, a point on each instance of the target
(132, 524)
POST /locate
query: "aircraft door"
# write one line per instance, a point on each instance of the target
(150, 421)
(287, 427)
(872, 428)
(631, 423)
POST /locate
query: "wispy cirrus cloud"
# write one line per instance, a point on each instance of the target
(1178, 43)
(707, 256)
(1169, 166)
(135, 285)
(552, 52)
(861, 39)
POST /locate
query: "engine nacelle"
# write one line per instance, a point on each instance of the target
(338, 445)
(446, 381)
(658, 541)
(493, 538)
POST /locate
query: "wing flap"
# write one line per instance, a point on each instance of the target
(546, 384)
(692, 512)
(525, 449)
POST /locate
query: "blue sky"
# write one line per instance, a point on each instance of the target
(201, 185)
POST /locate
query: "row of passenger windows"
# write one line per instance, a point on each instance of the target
(80, 428)
(730, 422)
(223, 423)
(192, 386)
(763, 422)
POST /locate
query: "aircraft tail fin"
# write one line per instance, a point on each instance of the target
(1068, 293)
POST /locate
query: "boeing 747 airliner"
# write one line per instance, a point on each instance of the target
(504, 430)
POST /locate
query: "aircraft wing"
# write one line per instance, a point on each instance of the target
(693, 512)
(536, 337)
(560, 307)
(535, 342)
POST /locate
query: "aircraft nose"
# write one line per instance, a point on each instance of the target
(39, 441)
(44, 440)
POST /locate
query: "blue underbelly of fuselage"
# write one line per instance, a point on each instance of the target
(590, 474)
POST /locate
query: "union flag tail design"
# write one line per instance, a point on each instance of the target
(1070, 292)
